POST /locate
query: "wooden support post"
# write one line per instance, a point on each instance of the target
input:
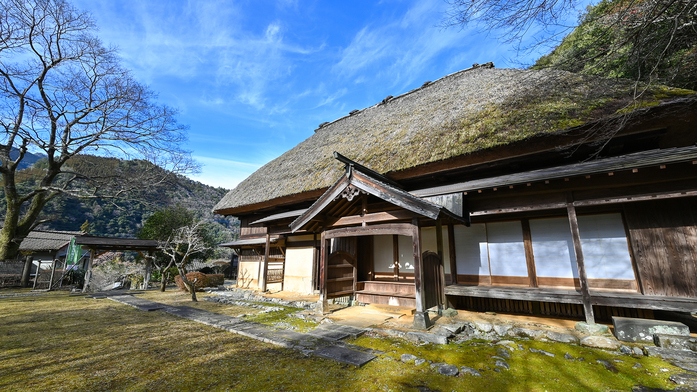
(26, 272)
(395, 257)
(315, 262)
(441, 274)
(529, 257)
(265, 264)
(453, 255)
(364, 208)
(575, 234)
(53, 273)
(36, 276)
(323, 304)
(421, 320)
(88, 271)
(148, 271)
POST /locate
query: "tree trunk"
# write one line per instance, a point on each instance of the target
(14, 229)
(187, 284)
(163, 281)
(8, 247)
(26, 272)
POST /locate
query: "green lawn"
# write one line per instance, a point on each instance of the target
(61, 343)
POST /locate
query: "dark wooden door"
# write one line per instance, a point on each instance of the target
(341, 274)
(433, 278)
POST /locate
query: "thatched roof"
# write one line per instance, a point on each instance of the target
(47, 240)
(468, 111)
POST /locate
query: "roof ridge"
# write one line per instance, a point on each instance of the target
(391, 98)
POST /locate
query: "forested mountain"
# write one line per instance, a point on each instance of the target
(647, 40)
(124, 215)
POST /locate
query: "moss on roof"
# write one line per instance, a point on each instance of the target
(461, 113)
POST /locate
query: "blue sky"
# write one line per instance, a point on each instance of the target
(254, 78)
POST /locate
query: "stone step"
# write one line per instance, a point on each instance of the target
(677, 342)
(642, 330)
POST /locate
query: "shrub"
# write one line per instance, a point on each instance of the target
(215, 280)
(201, 281)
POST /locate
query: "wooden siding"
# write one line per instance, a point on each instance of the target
(663, 236)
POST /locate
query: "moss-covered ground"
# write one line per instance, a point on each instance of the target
(58, 342)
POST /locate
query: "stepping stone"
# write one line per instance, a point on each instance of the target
(600, 342)
(322, 333)
(642, 330)
(138, 303)
(337, 331)
(677, 342)
(344, 355)
(686, 360)
(449, 370)
(685, 379)
(470, 371)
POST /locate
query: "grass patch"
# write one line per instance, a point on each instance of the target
(58, 342)
(282, 317)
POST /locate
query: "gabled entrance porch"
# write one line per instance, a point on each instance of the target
(357, 209)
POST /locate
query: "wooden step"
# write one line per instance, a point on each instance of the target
(387, 293)
(385, 299)
(387, 287)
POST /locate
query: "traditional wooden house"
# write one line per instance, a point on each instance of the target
(498, 189)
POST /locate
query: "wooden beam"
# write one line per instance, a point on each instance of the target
(395, 257)
(264, 265)
(88, 273)
(452, 254)
(601, 298)
(315, 261)
(372, 218)
(421, 320)
(441, 256)
(529, 257)
(324, 248)
(395, 196)
(576, 236)
(404, 229)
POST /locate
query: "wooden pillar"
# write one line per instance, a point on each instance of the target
(265, 264)
(395, 257)
(53, 273)
(323, 304)
(441, 269)
(88, 271)
(421, 320)
(36, 276)
(26, 272)
(315, 262)
(529, 257)
(148, 271)
(576, 236)
(453, 255)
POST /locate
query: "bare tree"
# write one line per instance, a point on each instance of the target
(184, 243)
(646, 40)
(62, 93)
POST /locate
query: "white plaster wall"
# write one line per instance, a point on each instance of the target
(506, 249)
(605, 248)
(248, 274)
(471, 250)
(298, 274)
(406, 253)
(382, 253)
(553, 248)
